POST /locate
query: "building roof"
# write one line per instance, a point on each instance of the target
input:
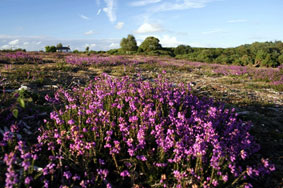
(63, 48)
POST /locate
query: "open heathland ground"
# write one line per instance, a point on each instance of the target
(255, 94)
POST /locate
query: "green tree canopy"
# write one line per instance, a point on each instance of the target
(129, 43)
(59, 45)
(150, 44)
(182, 49)
(50, 48)
(280, 59)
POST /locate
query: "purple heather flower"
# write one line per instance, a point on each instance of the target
(71, 122)
(225, 178)
(243, 154)
(28, 179)
(248, 185)
(214, 182)
(14, 128)
(46, 183)
(249, 171)
(125, 173)
(76, 177)
(141, 157)
(11, 178)
(101, 161)
(272, 167)
(102, 172)
(265, 163)
(133, 119)
(160, 164)
(8, 136)
(67, 175)
(26, 165)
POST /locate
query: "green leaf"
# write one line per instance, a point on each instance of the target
(15, 113)
(22, 102)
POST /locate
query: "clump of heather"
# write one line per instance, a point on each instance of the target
(19, 57)
(120, 133)
(273, 75)
(98, 60)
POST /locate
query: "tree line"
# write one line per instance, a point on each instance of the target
(258, 54)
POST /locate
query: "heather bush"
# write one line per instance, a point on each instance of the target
(97, 60)
(120, 133)
(19, 57)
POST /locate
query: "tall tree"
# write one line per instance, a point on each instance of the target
(150, 44)
(129, 44)
(87, 49)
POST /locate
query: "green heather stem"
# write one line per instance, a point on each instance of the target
(30, 170)
(238, 178)
(212, 175)
(115, 161)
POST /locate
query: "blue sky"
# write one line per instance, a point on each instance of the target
(100, 24)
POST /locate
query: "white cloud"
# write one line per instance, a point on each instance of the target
(26, 43)
(148, 28)
(90, 32)
(14, 42)
(37, 43)
(169, 41)
(119, 25)
(98, 12)
(180, 5)
(6, 46)
(143, 2)
(110, 9)
(114, 45)
(237, 21)
(84, 17)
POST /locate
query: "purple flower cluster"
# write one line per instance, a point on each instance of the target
(116, 132)
(273, 75)
(20, 57)
(119, 124)
(99, 60)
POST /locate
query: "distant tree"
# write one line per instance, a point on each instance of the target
(182, 49)
(47, 48)
(246, 60)
(260, 57)
(280, 59)
(76, 51)
(113, 51)
(87, 49)
(59, 45)
(150, 44)
(50, 48)
(129, 44)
